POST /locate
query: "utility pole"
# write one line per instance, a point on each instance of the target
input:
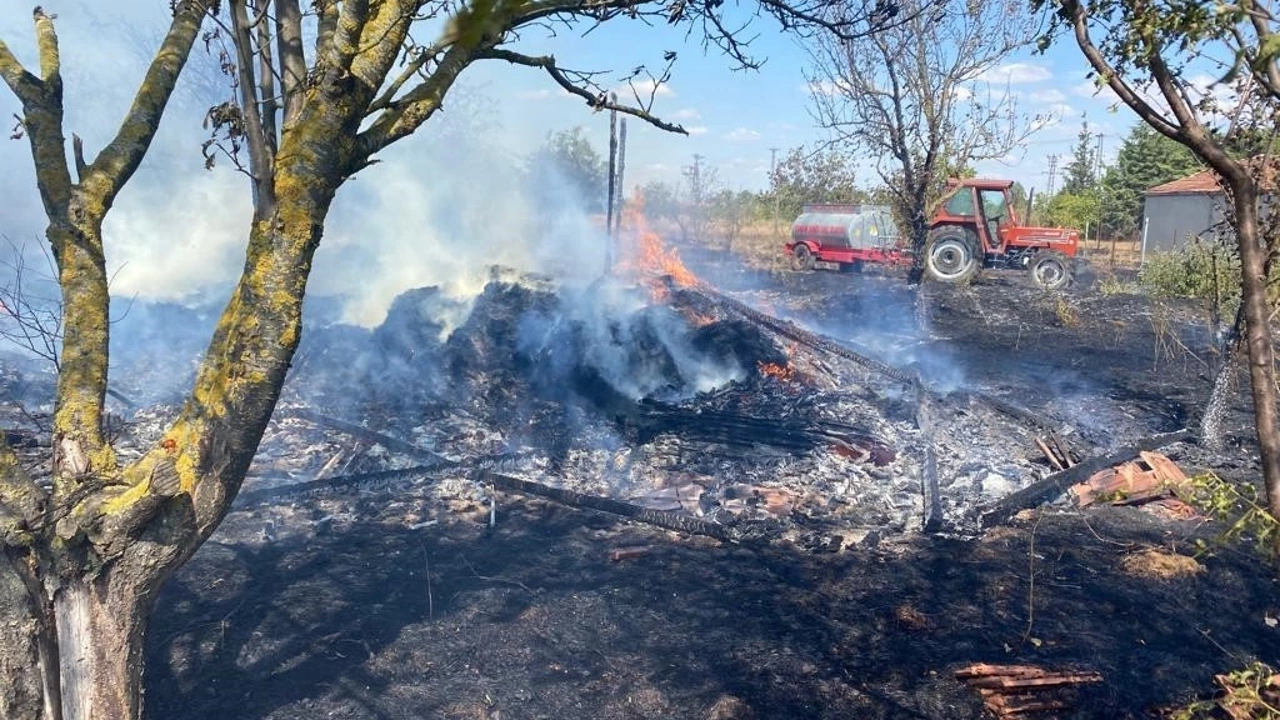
(1053, 170)
(694, 173)
(773, 168)
(613, 164)
(622, 170)
(1097, 160)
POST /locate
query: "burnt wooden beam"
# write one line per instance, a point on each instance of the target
(391, 443)
(679, 522)
(358, 480)
(1054, 485)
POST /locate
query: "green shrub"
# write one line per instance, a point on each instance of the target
(1203, 270)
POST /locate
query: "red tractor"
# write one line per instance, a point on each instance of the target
(975, 227)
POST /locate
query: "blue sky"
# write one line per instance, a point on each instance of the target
(735, 117)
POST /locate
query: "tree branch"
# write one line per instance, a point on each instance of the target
(326, 28)
(269, 102)
(21, 500)
(596, 101)
(293, 61)
(346, 38)
(23, 84)
(260, 155)
(47, 42)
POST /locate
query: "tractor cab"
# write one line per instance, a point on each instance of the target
(986, 206)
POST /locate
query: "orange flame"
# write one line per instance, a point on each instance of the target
(646, 254)
(782, 372)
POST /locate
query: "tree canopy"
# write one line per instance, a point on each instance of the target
(822, 175)
(568, 162)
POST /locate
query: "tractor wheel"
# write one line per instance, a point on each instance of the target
(1051, 270)
(951, 256)
(802, 257)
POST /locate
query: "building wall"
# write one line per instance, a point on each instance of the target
(1172, 218)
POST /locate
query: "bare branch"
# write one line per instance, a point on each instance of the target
(326, 28)
(596, 101)
(260, 155)
(293, 62)
(23, 84)
(266, 80)
(22, 501)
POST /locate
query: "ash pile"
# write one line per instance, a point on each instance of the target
(676, 405)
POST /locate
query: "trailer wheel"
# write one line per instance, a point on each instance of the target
(950, 255)
(802, 257)
(1051, 270)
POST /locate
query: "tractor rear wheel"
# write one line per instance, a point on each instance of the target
(951, 255)
(802, 257)
(1051, 270)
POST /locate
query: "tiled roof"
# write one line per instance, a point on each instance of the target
(1201, 183)
(1205, 182)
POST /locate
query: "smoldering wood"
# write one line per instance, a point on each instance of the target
(654, 418)
(387, 441)
(1054, 485)
(328, 485)
(658, 518)
(929, 489)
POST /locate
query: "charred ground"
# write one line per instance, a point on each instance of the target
(398, 600)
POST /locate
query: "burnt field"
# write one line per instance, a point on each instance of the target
(801, 495)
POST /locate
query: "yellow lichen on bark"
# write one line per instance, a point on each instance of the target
(380, 43)
(127, 498)
(47, 43)
(82, 377)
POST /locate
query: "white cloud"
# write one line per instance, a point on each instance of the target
(544, 94)
(1016, 73)
(741, 135)
(697, 130)
(686, 114)
(1050, 96)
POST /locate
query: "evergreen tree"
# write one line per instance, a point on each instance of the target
(1146, 159)
(1079, 172)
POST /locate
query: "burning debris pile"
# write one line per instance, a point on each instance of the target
(660, 395)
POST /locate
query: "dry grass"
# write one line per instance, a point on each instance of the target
(1107, 254)
(1156, 564)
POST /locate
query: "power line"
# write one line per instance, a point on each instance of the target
(1052, 171)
